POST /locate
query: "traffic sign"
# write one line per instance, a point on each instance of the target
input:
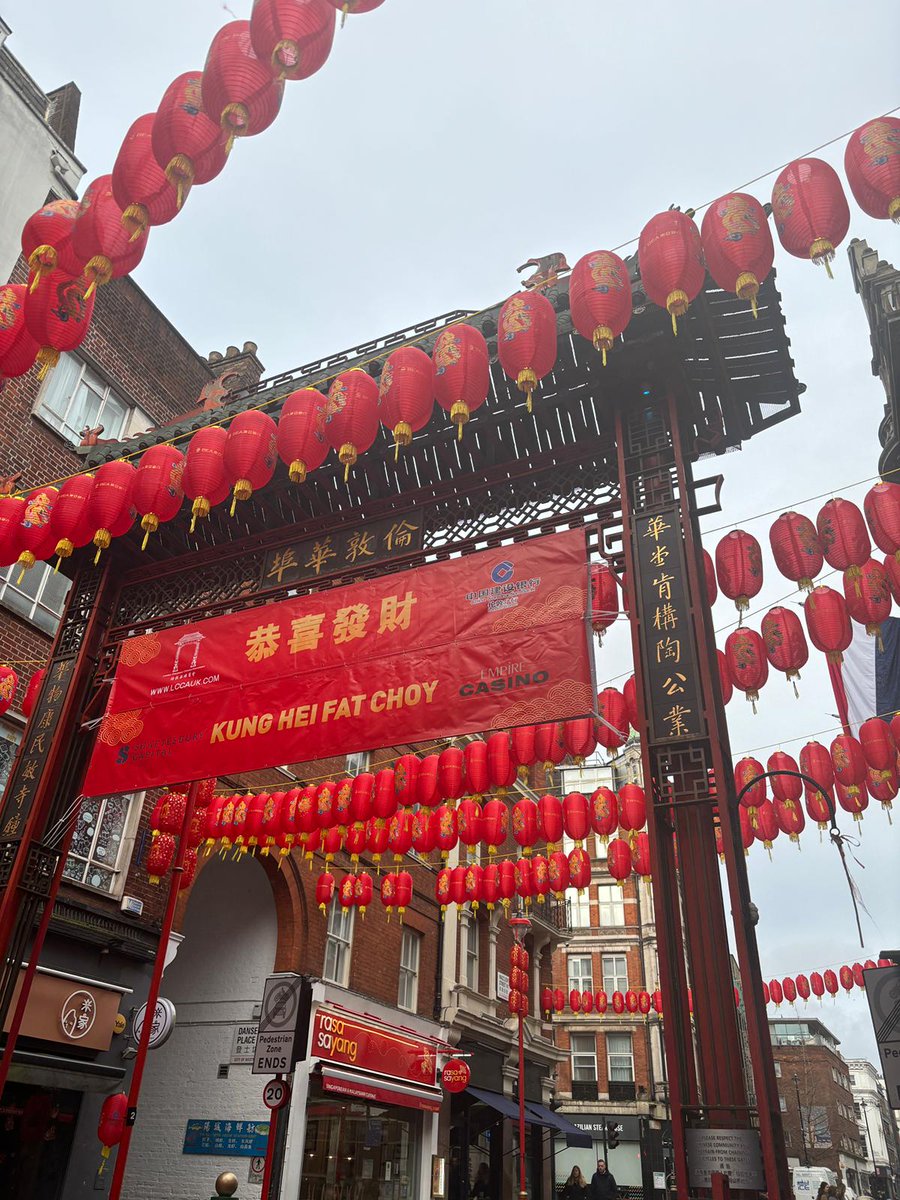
(276, 1093)
(883, 992)
(283, 1024)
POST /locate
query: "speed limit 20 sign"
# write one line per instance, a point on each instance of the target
(276, 1093)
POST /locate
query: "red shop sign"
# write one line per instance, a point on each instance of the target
(341, 1038)
(455, 1075)
(488, 641)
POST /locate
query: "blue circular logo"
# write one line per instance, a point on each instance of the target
(502, 573)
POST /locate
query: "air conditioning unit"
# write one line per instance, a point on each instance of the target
(132, 906)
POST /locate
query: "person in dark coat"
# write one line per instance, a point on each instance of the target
(603, 1184)
(576, 1186)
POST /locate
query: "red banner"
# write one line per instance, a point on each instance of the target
(488, 641)
(339, 1037)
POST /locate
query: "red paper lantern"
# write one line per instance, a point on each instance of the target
(58, 316)
(641, 857)
(587, 1002)
(547, 1002)
(872, 164)
(724, 677)
(376, 839)
(882, 510)
(428, 792)
(868, 596)
(9, 682)
(632, 807)
(404, 892)
(204, 480)
(849, 764)
(776, 992)
(101, 246)
(612, 727)
(470, 824)
(237, 89)
(629, 694)
(670, 255)
(474, 881)
(384, 803)
(388, 893)
(580, 738)
(354, 6)
(644, 1003)
(576, 816)
(525, 823)
(739, 567)
(575, 1000)
(558, 873)
(601, 1002)
(442, 889)
(461, 372)
(362, 795)
(501, 767)
(789, 989)
(447, 835)
(845, 977)
(423, 832)
(325, 795)
(550, 810)
(618, 860)
(831, 982)
(325, 885)
(110, 500)
(618, 1003)
(766, 997)
(600, 298)
(550, 744)
(300, 441)
(604, 598)
(815, 761)
(604, 813)
(786, 788)
(579, 869)
(250, 453)
(490, 885)
(294, 37)
(18, 349)
(158, 491)
(343, 798)
(495, 824)
(451, 773)
(400, 834)
(111, 1126)
(476, 768)
(789, 818)
(828, 622)
(140, 186)
(883, 786)
(559, 1000)
(767, 829)
(843, 535)
(747, 771)
(803, 990)
(362, 892)
(36, 537)
(351, 415)
(526, 340)
(506, 882)
(188, 144)
(406, 394)
(12, 509)
(747, 662)
(406, 778)
(810, 210)
(785, 642)
(796, 549)
(738, 244)
(817, 984)
(270, 822)
(44, 235)
(161, 856)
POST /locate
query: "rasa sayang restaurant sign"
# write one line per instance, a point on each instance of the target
(339, 1037)
(487, 641)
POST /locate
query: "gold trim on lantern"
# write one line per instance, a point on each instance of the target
(149, 524)
(199, 509)
(280, 68)
(27, 559)
(677, 304)
(180, 173)
(297, 471)
(402, 436)
(459, 415)
(243, 490)
(527, 381)
(136, 217)
(603, 340)
(894, 210)
(747, 287)
(99, 270)
(234, 127)
(42, 258)
(347, 455)
(102, 538)
(48, 358)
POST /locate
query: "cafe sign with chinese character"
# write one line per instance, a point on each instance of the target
(671, 675)
(481, 642)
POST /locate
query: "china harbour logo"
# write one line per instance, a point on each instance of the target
(505, 591)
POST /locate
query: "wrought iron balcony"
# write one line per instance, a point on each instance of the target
(622, 1091)
(584, 1090)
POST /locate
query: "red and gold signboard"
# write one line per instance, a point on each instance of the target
(491, 640)
(339, 1037)
(455, 1075)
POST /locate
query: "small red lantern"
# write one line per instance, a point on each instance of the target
(631, 1001)
(878, 744)
(470, 824)
(44, 235)
(423, 832)
(849, 764)
(789, 818)
(476, 768)
(644, 1003)
(300, 441)
(789, 989)
(294, 39)
(428, 792)
(140, 186)
(803, 989)
(101, 245)
(188, 144)
(796, 549)
(550, 810)
(738, 245)
(458, 886)
(111, 1126)
(325, 794)
(204, 479)
(580, 738)
(882, 510)
(451, 773)
(158, 491)
(604, 813)
(362, 796)
(347, 892)
(747, 662)
(36, 536)
(600, 298)
(785, 642)
(618, 860)
(270, 824)
(828, 622)
(110, 500)
(709, 572)
(442, 889)
(604, 598)
(559, 1000)
(237, 89)
(161, 856)
(447, 837)
(546, 1002)
(363, 891)
(632, 803)
(670, 255)
(815, 761)
(495, 824)
(384, 803)
(388, 893)
(618, 1003)
(526, 340)
(12, 509)
(612, 726)
(550, 744)
(776, 992)
(739, 567)
(525, 823)
(400, 834)
(406, 394)
(325, 885)
(501, 767)
(811, 212)
(406, 778)
(641, 857)
(490, 885)
(474, 882)
(843, 535)
(579, 869)
(831, 982)
(576, 816)
(747, 772)
(845, 977)
(575, 1000)
(868, 596)
(786, 788)
(506, 882)
(558, 873)
(9, 682)
(767, 829)
(58, 316)
(601, 1002)
(587, 1002)
(351, 415)
(250, 453)
(872, 164)
(404, 892)
(817, 984)
(461, 372)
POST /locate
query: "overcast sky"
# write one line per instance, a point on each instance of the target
(444, 143)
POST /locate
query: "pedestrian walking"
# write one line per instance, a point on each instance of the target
(603, 1184)
(576, 1186)
(481, 1188)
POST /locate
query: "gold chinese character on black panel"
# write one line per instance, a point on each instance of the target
(330, 554)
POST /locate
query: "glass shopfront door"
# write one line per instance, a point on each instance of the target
(37, 1127)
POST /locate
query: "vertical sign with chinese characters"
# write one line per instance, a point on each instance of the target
(332, 553)
(671, 673)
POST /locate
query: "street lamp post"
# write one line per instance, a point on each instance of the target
(796, 1079)
(519, 927)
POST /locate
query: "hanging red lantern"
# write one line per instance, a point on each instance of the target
(618, 1003)
(351, 415)
(672, 269)
(495, 824)
(612, 726)
(786, 788)
(423, 832)
(739, 567)
(601, 1002)
(470, 824)
(362, 796)
(883, 787)
(803, 990)
(559, 1000)
(579, 869)
(843, 535)
(325, 891)
(580, 738)
(293, 37)
(18, 349)
(575, 1000)
(600, 298)
(250, 453)
(604, 813)
(618, 860)
(828, 622)
(632, 803)
(550, 744)
(644, 1003)
(817, 984)
(882, 510)
(629, 694)
(404, 892)
(9, 682)
(587, 1002)
(789, 818)
(110, 500)
(604, 598)
(101, 246)
(845, 978)
(388, 893)
(506, 883)
(36, 538)
(747, 772)
(363, 890)
(188, 144)
(355, 7)
(12, 509)
(550, 811)
(428, 792)
(347, 892)
(776, 992)
(58, 316)
(400, 834)
(849, 763)
(767, 829)
(300, 441)
(458, 886)
(442, 889)
(325, 795)
(161, 856)
(384, 803)
(641, 857)
(376, 840)
(451, 773)
(111, 1126)
(558, 873)
(237, 89)
(815, 761)
(526, 340)
(447, 835)
(785, 642)
(811, 212)
(158, 491)
(737, 243)
(204, 479)
(270, 823)
(576, 817)
(872, 164)
(140, 186)
(169, 812)
(474, 881)
(476, 768)
(747, 662)
(343, 798)
(789, 989)
(501, 767)
(796, 549)
(868, 596)
(546, 1002)
(831, 982)
(406, 394)
(858, 980)
(724, 677)
(490, 885)
(631, 1001)
(406, 778)
(767, 999)
(525, 824)
(461, 372)
(44, 235)
(298, 818)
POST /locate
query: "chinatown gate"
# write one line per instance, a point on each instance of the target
(607, 451)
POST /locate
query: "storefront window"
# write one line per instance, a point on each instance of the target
(359, 1152)
(337, 947)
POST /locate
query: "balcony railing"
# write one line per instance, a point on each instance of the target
(584, 1089)
(553, 913)
(621, 1091)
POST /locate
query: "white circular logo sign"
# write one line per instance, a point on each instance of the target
(163, 1023)
(78, 1014)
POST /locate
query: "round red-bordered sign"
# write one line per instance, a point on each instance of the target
(455, 1075)
(276, 1093)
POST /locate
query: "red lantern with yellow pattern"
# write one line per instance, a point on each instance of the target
(600, 298)
(188, 144)
(843, 535)
(476, 768)
(447, 832)
(406, 777)
(747, 771)
(363, 891)
(36, 538)
(872, 164)
(550, 744)
(604, 813)
(325, 885)
(613, 723)
(868, 596)
(250, 453)
(461, 372)
(849, 764)
(632, 804)
(737, 243)
(618, 860)
(882, 511)
(815, 761)
(101, 245)
(739, 567)
(293, 37)
(470, 824)
(400, 834)
(140, 186)
(9, 682)
(237, 89)
(526, 340)
(384, 803)
(796, 549)
(641, 857)
(490, 885)
(161, 857)
(558, 873)
(406, 394)
(58, 315)
(158, 491)
(474, 880)
(747, 662)
(351, 415)
(579, 869)
(424, 831)
(670, 255)
(811, 212)
(786, 788)
(525, 823)
(44, 235)
(300, 441)
(767, 829)
(785, 642)
(828, 622)
(495, 824)
(789, 818)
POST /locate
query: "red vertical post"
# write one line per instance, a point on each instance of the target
(270, 1153)
(140, 1061)
(523, 1193)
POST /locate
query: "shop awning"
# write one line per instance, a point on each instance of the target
(574, 1136)
(357, 1086)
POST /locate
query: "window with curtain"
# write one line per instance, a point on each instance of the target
(620, 1057)
(580, 973)
(583, 1050)
(408, 981)
(615, 973)
(338, 943)
(611, 905)
(578, 908)
(101, 845)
